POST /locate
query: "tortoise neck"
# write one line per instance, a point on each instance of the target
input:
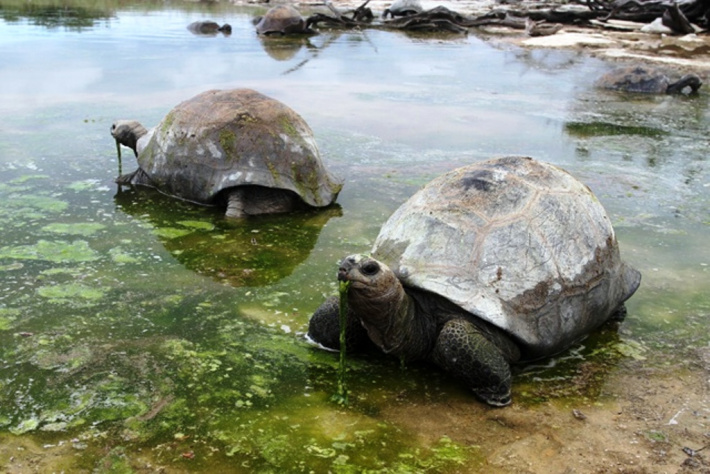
(689, 80)
(393, 321)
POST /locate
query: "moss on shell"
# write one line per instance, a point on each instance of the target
(289, 128)
(307, 183)
(167, 122)
(228, 142)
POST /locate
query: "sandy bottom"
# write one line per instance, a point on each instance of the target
(642, 425)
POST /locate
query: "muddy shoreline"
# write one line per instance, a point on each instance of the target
(621, 41)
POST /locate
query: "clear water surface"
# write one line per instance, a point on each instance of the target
(137, 330)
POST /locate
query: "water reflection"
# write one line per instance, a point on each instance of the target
(74, 16)
(209, 28)
(283, 48)
(256, 251)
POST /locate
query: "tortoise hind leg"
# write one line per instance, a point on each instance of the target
(243, 201)
(462, 350)
(236, 202)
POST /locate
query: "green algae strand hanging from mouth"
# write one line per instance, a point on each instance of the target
(118, 151)
(341, 396)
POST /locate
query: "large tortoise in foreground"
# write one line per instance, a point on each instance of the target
(502, 261)
(237, 148)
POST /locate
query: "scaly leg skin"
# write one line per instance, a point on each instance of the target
(324, 327)
(236, 203)
(462, 350)
(244, 201)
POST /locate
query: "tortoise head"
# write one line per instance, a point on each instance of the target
(372, 283)
(366, 274)
(378, 299)
(375, 292)
(689, 80)
(127, 133)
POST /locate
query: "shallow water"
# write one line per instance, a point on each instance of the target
(139, 331)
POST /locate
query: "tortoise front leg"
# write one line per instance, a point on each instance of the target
(462, 350)
(324, 327)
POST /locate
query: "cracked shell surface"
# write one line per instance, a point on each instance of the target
(225, 138)
(519, 243)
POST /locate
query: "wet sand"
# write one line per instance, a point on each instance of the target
(640, 425)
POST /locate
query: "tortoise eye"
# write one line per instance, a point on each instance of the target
(370, 268)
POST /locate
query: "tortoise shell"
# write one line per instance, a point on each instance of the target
(516, 242)
(225, 138)
(404, 8)
(635, 79)
(281, 19)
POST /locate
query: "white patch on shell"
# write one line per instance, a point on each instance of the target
(234, 177)
(213, 149)
(143, 141)
(290, 144)
(310, 143)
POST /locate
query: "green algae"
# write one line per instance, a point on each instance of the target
(61, 355)
(11, 267)
(5, 323)
(84, 185)
(120, 256)
(39, 202)
(71, 293)
(198, 225)
(29, 177)
(116, 461)
(25, 426)
(631, 349)
(171, 232)
(52, 251)
(596, 129)
(7, 317)
(341, 395)
(84, 229)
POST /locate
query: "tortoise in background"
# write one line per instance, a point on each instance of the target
(237, 148)
(648, 81)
